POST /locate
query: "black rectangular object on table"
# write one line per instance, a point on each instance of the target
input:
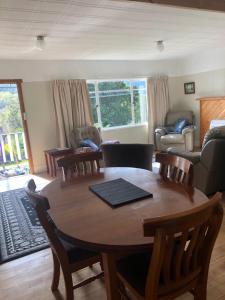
(118, 192)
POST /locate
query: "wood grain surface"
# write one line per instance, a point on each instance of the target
(89, 221)
(211, 108)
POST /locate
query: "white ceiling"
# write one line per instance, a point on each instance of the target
(106, 30)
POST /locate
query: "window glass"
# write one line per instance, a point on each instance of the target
(91, 87)
(94, 108)
(121, 102)
(138, 84)
(113, 85)
(140, 113)
(115, 109)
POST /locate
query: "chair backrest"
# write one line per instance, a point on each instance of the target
(175, 168)
(214, 133)
(173, 116)
(41, 206)
(88, 132)
(128, 155)
(80, 164)
(182, 249)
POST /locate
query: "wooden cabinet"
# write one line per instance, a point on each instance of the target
(211, 108)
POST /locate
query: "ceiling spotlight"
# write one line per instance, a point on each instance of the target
(40, 42)
(160, 45)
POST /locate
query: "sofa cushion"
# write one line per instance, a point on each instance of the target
(172, 139)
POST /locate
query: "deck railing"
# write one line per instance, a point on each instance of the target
(12, 147)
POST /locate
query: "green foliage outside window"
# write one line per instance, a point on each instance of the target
(115, 99)
(10, 117)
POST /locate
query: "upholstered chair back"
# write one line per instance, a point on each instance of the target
(173, 116)
(80, 133)
(214, 133)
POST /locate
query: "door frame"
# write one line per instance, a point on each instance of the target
(18, 83)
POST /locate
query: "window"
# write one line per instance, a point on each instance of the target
(118, 103)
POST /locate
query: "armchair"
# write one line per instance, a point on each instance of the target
(209, 164)
(182, 138)
(80, 133)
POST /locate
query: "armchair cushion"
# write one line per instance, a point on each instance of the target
(180, 125)
(172, 139)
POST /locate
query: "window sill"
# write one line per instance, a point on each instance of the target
(123, 127)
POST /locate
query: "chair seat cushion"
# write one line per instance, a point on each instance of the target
(172, 139)
(75, 253)
(134, 269)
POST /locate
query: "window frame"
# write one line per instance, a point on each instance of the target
(131, 90)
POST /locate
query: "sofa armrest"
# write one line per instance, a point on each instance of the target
(194, 157)
(160, 131)
(188, 129)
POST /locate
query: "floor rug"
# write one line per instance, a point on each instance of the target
(20, 230)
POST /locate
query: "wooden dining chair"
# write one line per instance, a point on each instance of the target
(80, 164)
(65, 255)
(179, 259)
(175, 168)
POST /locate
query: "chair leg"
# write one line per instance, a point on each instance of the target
(56, 272)
(68, 285)
(200, 293)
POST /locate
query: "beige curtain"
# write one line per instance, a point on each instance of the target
(158, 103)
(72, 107)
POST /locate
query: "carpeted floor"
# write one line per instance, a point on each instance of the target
(20, 229)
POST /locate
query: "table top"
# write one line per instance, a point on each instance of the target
(87, 220)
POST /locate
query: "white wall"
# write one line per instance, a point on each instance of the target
(31, 71)
(41, 120)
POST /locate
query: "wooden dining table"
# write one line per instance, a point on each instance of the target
(88, 221)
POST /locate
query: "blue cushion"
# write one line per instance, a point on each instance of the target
(180, 125)
(89, 143)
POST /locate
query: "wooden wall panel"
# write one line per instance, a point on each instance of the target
(211, 108)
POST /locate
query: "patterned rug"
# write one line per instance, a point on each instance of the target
(20, 230)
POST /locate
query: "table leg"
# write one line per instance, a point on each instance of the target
(111, 282)
(46, 160)
(54, 166)
(51, 165)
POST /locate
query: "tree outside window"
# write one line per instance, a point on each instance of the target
(118, 103)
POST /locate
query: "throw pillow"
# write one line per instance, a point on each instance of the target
(180, 124)
(89, 143)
